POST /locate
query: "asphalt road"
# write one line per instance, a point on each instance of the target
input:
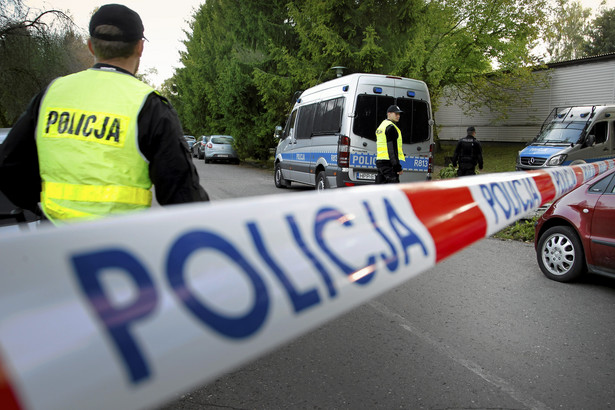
(482, 330)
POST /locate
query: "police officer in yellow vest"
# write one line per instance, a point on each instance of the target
(389, 148)
(93, 143)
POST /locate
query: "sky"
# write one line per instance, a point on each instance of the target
(165, 22)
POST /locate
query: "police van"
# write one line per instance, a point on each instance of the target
(571, 136)
(329, 139)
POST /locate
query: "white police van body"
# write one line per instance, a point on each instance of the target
(571, 136)
(330, 136)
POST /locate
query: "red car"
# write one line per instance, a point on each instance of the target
(577, 233)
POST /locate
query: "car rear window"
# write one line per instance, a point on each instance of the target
(222, 140)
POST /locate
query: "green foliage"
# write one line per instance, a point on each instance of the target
(227, 52)
(35, 47)
(448, 172)
(565, 37)
(244, 61)
(602, 34)
(497, 157)
(522, 230)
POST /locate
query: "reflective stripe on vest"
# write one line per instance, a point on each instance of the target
(381, 141)
(87, 142)
(97, 193)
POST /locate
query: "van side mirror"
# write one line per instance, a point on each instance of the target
(278, 131)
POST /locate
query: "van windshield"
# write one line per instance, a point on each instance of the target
(371, 110)
(561, 132)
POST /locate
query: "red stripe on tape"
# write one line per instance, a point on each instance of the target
(545, 186)
(578, 172)
(451, 216)
(8, 399)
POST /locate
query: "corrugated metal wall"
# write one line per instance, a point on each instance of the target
(581, 82)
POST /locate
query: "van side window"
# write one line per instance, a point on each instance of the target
(600, 131)
(371, 111)
(328, 117)
(290, 125)
(322, 118)
(305, 121)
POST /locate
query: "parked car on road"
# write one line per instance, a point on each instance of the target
(577, 232)
(220, 148)
(198, 149)
(190, 140)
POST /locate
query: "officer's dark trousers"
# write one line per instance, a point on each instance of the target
(466, 169)
(386, 174)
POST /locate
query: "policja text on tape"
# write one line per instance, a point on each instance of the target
(129, 311)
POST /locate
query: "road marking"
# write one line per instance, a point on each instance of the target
(456, 356)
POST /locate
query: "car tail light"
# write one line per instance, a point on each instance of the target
(209, 145)
(343, 151)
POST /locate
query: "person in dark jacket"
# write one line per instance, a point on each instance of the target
(468, 154)
(93, 143)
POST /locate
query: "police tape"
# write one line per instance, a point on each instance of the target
(129, 311)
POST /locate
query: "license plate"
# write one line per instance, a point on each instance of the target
(223, 155)
(366, 175)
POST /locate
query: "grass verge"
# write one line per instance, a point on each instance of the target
(497, 157)
(519, 231)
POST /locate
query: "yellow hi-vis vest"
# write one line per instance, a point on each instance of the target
(381, 141)
(86, 138)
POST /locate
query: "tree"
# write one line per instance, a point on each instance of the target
(35, 47)
(226, 49)
(566, 36)
(601, 34)
(244, 61)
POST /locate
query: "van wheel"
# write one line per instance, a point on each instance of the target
(321, 182)
(278, 178)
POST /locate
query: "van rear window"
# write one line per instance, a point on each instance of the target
(372, 110)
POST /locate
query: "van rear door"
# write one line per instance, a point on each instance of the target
(372, 102)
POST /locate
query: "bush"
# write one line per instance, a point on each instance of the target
(522, 230)
(448, 172)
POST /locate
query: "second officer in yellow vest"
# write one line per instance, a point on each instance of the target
(389, 148)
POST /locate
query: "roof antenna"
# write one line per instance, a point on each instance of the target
(339, 70)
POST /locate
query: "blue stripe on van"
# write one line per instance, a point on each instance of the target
(357, 160)
(368, 160)
(307, 157)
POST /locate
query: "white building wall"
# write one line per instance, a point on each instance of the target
(581, 82)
